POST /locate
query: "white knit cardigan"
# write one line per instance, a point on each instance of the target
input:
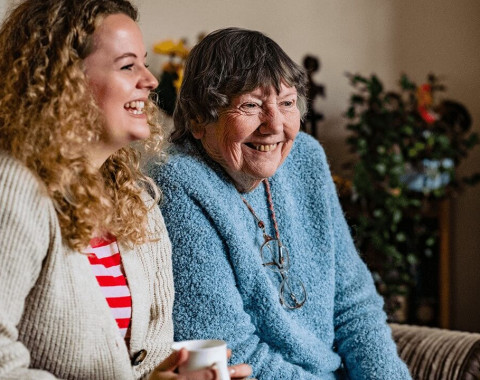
(54, 320)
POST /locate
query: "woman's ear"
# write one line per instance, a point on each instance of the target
(198, 129)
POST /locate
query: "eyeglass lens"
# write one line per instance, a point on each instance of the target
(276, 257)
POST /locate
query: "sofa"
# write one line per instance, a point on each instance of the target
(438, 354)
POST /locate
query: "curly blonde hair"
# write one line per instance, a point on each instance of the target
(49, 116)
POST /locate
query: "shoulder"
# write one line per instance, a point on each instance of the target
(186, 159)
(12, 170)
(307, 163)
(27, 215)
(307, 149)
(188, 170)
(20, 184)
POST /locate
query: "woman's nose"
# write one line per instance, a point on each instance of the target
(148, 80)
(271, 121)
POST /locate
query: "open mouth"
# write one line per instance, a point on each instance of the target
(136, 107)
(262, 147)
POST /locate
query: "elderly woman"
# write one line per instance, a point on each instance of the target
(262, 255)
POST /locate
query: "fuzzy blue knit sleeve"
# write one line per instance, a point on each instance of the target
(363, 338)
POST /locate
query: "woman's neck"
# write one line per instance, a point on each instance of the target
(243, 182)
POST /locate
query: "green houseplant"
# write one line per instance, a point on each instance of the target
(408, 146)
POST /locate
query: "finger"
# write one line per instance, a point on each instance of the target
(172, 362)
(239, 371)
(202, 374)
(229, 353)
(163, 376)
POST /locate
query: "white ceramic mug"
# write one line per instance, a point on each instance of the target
(205, 353)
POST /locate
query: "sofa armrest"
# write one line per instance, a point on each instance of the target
(433, 353)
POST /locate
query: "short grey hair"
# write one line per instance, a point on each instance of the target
(227, 63)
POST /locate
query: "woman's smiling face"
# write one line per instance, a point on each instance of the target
(121, 83)
(254, 135)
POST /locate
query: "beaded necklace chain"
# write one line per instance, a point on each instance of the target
(275, 256)
(270, 206)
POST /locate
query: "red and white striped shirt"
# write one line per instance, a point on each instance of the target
(106, 263)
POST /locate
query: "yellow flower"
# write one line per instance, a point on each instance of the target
(171, 47)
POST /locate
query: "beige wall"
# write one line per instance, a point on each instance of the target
(3, 6)
(385, 37)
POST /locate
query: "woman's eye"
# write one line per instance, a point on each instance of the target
(288, 103)
(127, 67)
(251, 108)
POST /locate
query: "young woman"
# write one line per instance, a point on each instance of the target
(85, 271)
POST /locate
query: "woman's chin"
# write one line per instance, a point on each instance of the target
(140, 134)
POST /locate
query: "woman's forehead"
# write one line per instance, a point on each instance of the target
(267, 90)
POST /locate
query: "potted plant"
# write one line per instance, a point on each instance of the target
(408, 145)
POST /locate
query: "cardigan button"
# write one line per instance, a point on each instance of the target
(138, 357)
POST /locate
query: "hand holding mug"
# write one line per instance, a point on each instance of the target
(206, 360)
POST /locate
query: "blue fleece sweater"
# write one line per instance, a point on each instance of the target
(223, 291)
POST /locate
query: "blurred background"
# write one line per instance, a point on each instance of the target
(382, 37)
